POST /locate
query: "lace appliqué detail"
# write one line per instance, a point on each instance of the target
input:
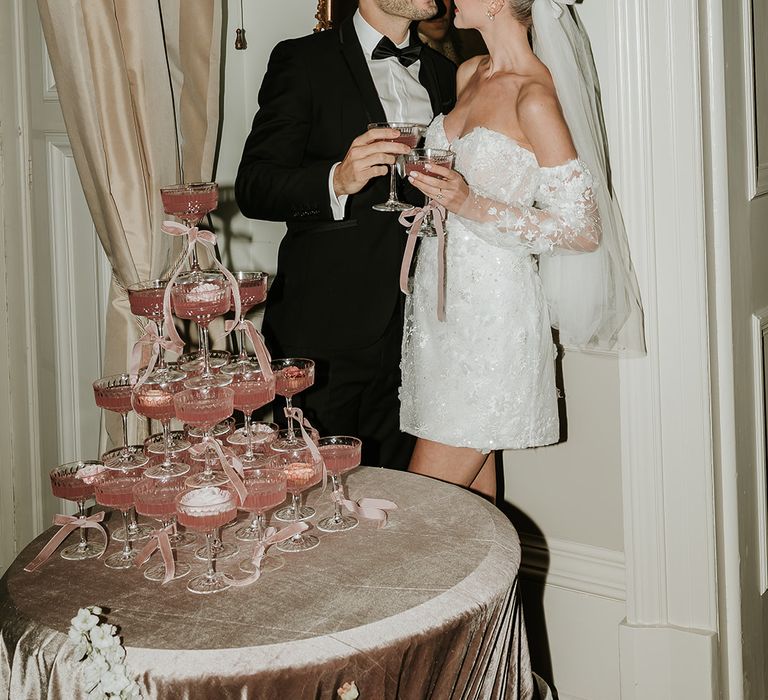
(565, 215)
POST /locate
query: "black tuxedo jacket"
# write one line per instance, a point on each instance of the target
(337, 281)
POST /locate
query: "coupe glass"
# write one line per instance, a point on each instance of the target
(252, 390)
(146, 299)
(113, 393)
(410, 135)
(259, 437)
(177, 445)
(203, 408)
(190, 202)
(201, 296)
(266, 490)
(416, 161)
(192, 362)
(115, 490)
(75, 481)
(292, 375)
(221, 431)
(154, 399)
(340, 454)
(253, 291)
(301, 473)
(156, 498)
(205, 510)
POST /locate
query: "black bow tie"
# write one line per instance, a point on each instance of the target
(386, 48)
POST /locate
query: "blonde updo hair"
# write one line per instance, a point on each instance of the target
(521, 11)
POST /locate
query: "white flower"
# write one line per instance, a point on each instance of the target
(348, 691)
(114, 681)
(85, 620)
(102, 637)
(94, 667)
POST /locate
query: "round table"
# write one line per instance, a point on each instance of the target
(425, 607)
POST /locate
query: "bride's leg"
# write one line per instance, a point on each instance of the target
(456, 465)
(485, 481)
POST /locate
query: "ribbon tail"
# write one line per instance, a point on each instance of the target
(439, 217)
(410, 247)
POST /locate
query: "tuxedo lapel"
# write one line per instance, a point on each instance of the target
(428, 78)
(353, 55)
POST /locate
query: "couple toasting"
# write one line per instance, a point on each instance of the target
(529, 186)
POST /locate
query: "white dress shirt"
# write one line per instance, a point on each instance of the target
(402, 96)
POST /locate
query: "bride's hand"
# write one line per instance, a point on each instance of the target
(444, 185)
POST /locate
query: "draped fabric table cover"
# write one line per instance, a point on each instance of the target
(426, 607)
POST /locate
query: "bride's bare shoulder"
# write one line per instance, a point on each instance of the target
(466, 70)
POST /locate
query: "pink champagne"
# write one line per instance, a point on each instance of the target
(301, 475)
(116, 493)
(292, 380)
(340, 458)
(160, 505)
(252, 292)
(410, 140)
(205, 412)
(200, 307)
(207, 522)
(264, 496)
(114, 398)
(71, 488)
(418, 167)
(250, 395)
(190, 206)
(154, 403)
(147, 302)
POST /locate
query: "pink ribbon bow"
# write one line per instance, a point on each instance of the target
(207, 239)
(159, 540)
(272, 536)
(257, 340)
(68, 523)
(413, 218)
(151, 338)
(234, 471)
(369, 508)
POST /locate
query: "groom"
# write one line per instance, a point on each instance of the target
(310, 161)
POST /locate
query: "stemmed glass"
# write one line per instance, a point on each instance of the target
(204, 407)
(146, 299)
(261, 436)
(410, 135)
(340, 454)
(156, 498)
(266, 490)
(252, 390)
(292, 375)
(154, 399)
(201, 296)
(113, 393)
(253, 291)
(190, 202)
(192, 362)
(115, 490)
(417, 161)
(205, 510)
(74, 481)
(301, 473)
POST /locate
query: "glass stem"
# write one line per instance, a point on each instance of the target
(195, 265)
(133, 526)
(392, 184)
(81, 514)
(124, 417)
(166, 442)
(161, 353)
(289, 406)
(241, 335)
(248, 436)
(258, 526)
(210, 574)
(204, 349)
(127, 542)
(336, 483)
(208, 470)
(295, 505)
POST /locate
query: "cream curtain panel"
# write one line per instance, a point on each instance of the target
(138, 82)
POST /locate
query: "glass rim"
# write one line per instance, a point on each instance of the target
(339, 440)
(147, 284)
(226, 496)
(397, 125)
(121, 380)
(69, 467)
(194, 186)
(286, 362)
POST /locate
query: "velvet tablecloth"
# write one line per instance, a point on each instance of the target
(426, 607)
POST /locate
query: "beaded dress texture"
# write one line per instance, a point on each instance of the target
(485, 377)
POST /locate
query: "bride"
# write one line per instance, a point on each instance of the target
(483, 379)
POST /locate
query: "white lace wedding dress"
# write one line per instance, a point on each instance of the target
(485, 377)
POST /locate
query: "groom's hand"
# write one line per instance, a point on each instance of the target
(368, 156)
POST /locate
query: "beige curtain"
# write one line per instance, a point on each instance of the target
(138, 82)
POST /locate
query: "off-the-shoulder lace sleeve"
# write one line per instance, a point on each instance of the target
(564, 216)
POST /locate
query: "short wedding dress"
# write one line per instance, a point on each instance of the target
(485, 376)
